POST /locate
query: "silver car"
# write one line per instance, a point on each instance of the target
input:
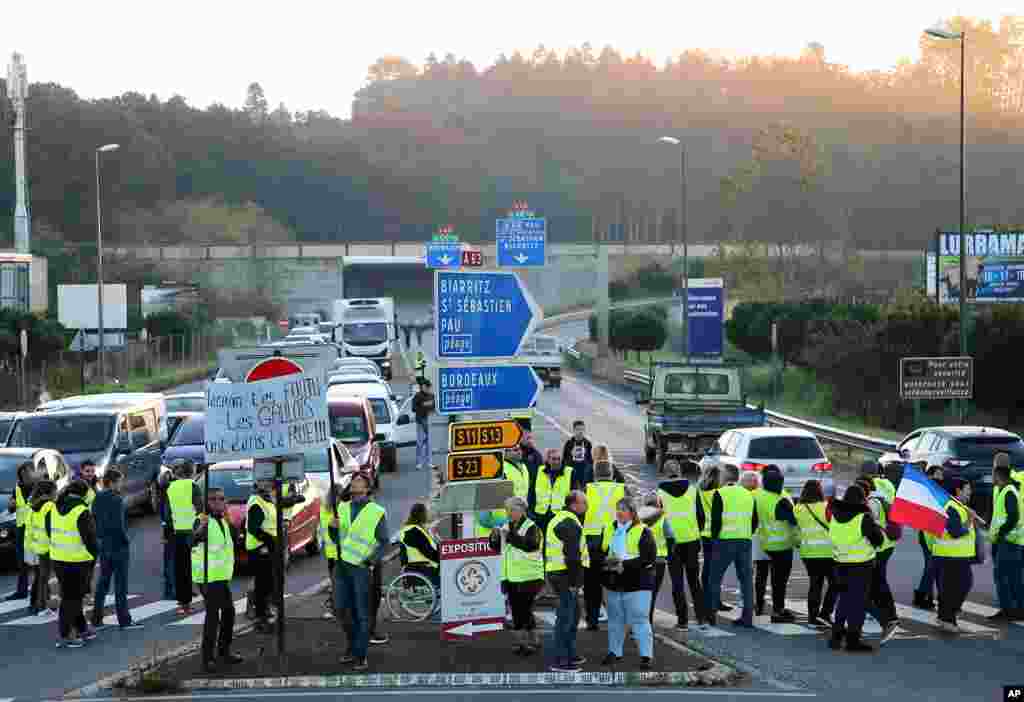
(796, 452)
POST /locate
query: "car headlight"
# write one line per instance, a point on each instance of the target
(5, 533)
(386, 364)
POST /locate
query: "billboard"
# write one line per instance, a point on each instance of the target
(995, 267)
(706, 317)
(78, 307)
(168, 299)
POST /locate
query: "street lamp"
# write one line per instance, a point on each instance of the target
(99, 252)
(683, 236)
(961, 36)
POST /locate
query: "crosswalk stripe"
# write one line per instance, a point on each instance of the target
(51, 617)
(144, 612)
(870, 625)
(981, 610)
(764, 623)
(923, 617)
(13, 605)
(198, 618)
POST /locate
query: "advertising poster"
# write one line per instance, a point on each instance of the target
(995, 267)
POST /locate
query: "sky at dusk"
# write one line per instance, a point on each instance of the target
(314, 55)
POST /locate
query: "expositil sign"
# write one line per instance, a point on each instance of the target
(471, 600)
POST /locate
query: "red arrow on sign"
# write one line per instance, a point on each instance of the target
(274, 367)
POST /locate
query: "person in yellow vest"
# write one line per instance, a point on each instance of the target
(550, 488)
(37, 542)
(522, 572)
(923, 597)
(602, 496)
(261, 545)
(362, 533)
(420, 367)
(73, 547)
(419, 547)
(514, 469)
(709, 484)
(679, 498)
(733, 523)
(816, 553)
(27, 477)
(855, 536)
(652, 514)
(954, 550)
(776, 531)
(881, 603)
(565, 557)
(1007, 537)
(87, 473)
(213, 566)
(184, 502)
(328, 546)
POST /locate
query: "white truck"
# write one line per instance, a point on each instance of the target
(366, 328)
(544, 354)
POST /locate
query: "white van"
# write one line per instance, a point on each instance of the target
(393, 421)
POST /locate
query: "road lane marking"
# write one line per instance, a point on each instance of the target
(51, 617)
(981, 610)
(201, 617)
(470, 691)
(917, 615)
(554, 422)
(146, 611)
(764, 623)
(598, 391)
(870, 625)
(13, 605)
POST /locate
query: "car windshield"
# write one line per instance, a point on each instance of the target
(9, 472)
(982, 449)
(381, 410)
(366, 332)
(192, 432)
(186, 404)
(348, 428)
(77, 434)
(236, 484)
(5, 426)
(785, 447)
(697, 383)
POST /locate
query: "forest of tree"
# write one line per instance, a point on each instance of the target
(779, 150)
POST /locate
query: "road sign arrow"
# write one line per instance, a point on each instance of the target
(471, 628)
(477, 436)
(493, 388)
(521, 258)
(446, 259)
(482, 314)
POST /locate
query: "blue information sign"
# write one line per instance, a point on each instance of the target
(705, 316)
(481, 314)
(486, 388)
(444, 254)
(522, 241)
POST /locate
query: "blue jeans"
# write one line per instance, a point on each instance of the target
(567, 621)
(352, 594)
(630, 608)
(1009, 576)
(725, 553)
(423, 458)
(113, 565)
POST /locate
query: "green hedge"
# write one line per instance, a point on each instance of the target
(750, 327)
(45, 336)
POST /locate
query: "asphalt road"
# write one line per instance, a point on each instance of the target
(784, 661)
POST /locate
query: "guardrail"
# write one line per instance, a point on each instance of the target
(849, 439)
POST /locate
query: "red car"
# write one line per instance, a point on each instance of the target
(235, 478)
(355, 426)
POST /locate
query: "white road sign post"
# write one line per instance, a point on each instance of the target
(471, 599)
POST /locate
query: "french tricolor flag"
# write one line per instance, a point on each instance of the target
(920, 503)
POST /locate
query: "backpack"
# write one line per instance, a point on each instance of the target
(894, 532)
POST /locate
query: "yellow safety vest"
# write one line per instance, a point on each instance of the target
(814, 538)
(179, 498)
(658, 531)
(999, 516)
(36, 538)
(21, 506)
(361, 535)
(737, 512)
(602, 496)
(269, 521)
(413, 554)
(554, 550)
(848, 543)
(887, 543)
(681, 513)
(775, 535)
(886, 488)
(330, 548)
(632, 539)
(946, 546)
(520, 478)
(90, 497)
(519, 566)
(707, 497)
(551, 497)
(66, 545)
(221, 558)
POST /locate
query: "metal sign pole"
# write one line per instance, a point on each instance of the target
(281, 538)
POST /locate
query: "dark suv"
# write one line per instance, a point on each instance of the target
(966, 452)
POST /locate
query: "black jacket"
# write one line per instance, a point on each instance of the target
(588, 453)
(108, 510)
(773, 483)
(414, 538)
(569, 533)
(423, 405)
(843, 512)
(716, 516)
(637, 574)
(85, 523)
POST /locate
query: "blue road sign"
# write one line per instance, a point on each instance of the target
(705, 316)
(444, 254)
(522, 241)
(486, 388)
(481, 314)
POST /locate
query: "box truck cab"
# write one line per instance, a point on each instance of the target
(367, 330)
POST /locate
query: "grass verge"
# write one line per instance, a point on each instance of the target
(157, 382)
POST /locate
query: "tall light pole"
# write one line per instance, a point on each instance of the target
(683, 235)
(99, 253)
(960, 36)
